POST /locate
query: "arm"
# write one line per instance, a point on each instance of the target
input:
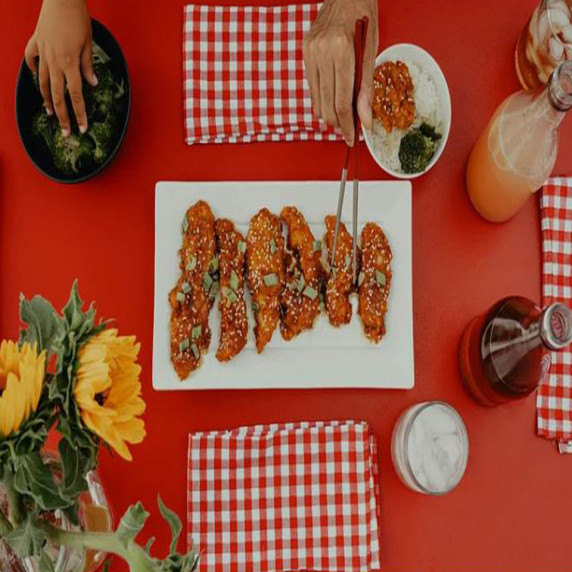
(330, 63)
(62, 41)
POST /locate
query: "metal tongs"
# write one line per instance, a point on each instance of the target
(359, 47)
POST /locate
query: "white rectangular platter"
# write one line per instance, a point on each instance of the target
(324, 356)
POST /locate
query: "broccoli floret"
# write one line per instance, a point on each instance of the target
(71, 154)
(429, 131)
(103, 100)
(417, 148)
(102, 134)
(44, 127)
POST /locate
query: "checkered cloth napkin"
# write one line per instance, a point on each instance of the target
(554, 398)
(297, 496)
(244, 76)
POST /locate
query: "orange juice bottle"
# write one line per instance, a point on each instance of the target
(517, 151)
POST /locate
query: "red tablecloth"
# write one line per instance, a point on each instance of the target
(512, 508)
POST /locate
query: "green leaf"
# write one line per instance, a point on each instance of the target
(174, 523)
(74, 469)
(148, 545)
(27, 540)
(35, 479)
(106, 565)
(44, 324)
(46, 564)
(132, 522)
(72, 310)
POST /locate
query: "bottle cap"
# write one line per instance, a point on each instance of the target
(557, 326)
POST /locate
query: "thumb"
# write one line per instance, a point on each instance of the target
(365, 96)
(87, 64)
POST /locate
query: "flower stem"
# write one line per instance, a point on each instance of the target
(16, 511)
(100, 541)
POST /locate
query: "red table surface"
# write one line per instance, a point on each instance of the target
(512, 510)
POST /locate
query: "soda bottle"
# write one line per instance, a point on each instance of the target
(505, 353)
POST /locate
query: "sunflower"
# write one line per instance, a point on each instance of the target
(108, 391)
(22, 372)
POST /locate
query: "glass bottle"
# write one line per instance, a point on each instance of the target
(505, 353)
(518, 149)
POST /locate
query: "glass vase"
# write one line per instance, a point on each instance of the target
(94, 516)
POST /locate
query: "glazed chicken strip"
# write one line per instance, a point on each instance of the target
(233, 317)
(374, 280)
(339, 286)
(300, 303)
(193, 296)
(265, 273)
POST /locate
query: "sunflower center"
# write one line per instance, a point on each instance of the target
(101, 398)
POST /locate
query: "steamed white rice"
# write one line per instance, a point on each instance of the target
(427, 109)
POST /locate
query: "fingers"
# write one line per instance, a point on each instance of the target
(73, 78)
(327, 91)
(365, 95)
(87, 64)
(344, 83)
(44, 81)
(59, 100)
(31, 54)
(313, 77)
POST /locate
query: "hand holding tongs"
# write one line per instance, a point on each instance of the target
(359, 46)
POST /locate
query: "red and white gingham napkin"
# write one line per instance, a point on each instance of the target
(296, 496)
(244, 76)
(554, 398)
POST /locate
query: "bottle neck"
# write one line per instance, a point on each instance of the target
(560, 87)
(556, 327)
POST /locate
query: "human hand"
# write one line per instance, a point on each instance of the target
(62, 41)
(330, 63)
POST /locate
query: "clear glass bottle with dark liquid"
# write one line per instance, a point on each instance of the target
(505, 353)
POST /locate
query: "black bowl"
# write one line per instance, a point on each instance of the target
(29, 102)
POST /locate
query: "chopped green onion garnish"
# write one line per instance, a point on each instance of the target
(361, 278)
(273, 247)
(310, 293)
(317, 245)
(214, 264)
(207, 281)
(191, 264)
(196, 332)
(348, 260)
(195, 351)
(185, 225)
(183, 345)
(380, 278)
(255, 307)
(186, 287)
(180, 297)
(230, 295)
(301, 283)
(242, 246)
(271, 279)
(214, 289)
(233, 281)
